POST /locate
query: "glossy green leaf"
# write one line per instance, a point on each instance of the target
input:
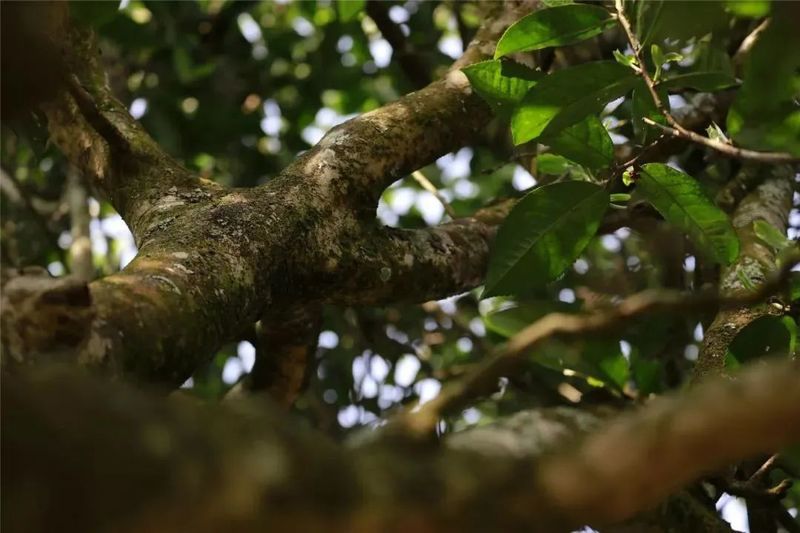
(567, 96)
(682, 202)
(555, 26)
(699, 81)
(543, 235)
(502, 84)
(349, 9)
(587, 143)
(764, 115)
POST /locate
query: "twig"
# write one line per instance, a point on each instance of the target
(675, 128)
(80, 251)
(748, 42)
(420, 420)
(426, 184)
(763, 470)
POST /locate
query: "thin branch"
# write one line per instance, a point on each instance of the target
(80, 250)
(421, 420)
(426, 184)
(675, 128)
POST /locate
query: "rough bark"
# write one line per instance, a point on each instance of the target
(212, 260)
(770, 201)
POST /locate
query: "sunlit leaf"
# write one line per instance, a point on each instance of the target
(682, 202)
(502, 84)
(543, 235)
(555, 26)
(567, 96)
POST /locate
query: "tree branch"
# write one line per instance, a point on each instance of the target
(770, 202)
(286, 343)
(168, 464)
(421, 420)
(210, 259)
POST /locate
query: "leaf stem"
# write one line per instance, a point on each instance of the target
(674, 127)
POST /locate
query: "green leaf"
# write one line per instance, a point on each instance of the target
(748, 8)
(679, 20)
(622, 59)
(553, 164)
(347, 10)
(647, 374)
(771, 236)
(658, 60)
(587, 143)
(555, 26)
(502, 84)
(643, 106)
(604, 360)
(699, 81)
(620, 197)
(543, 235)
(764, 115)
(681, 201)
(567, 96)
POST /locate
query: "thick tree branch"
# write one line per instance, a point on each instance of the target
(212, 260)
(398, 265)
(244, 466)
(286, 343)
(770, 202)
